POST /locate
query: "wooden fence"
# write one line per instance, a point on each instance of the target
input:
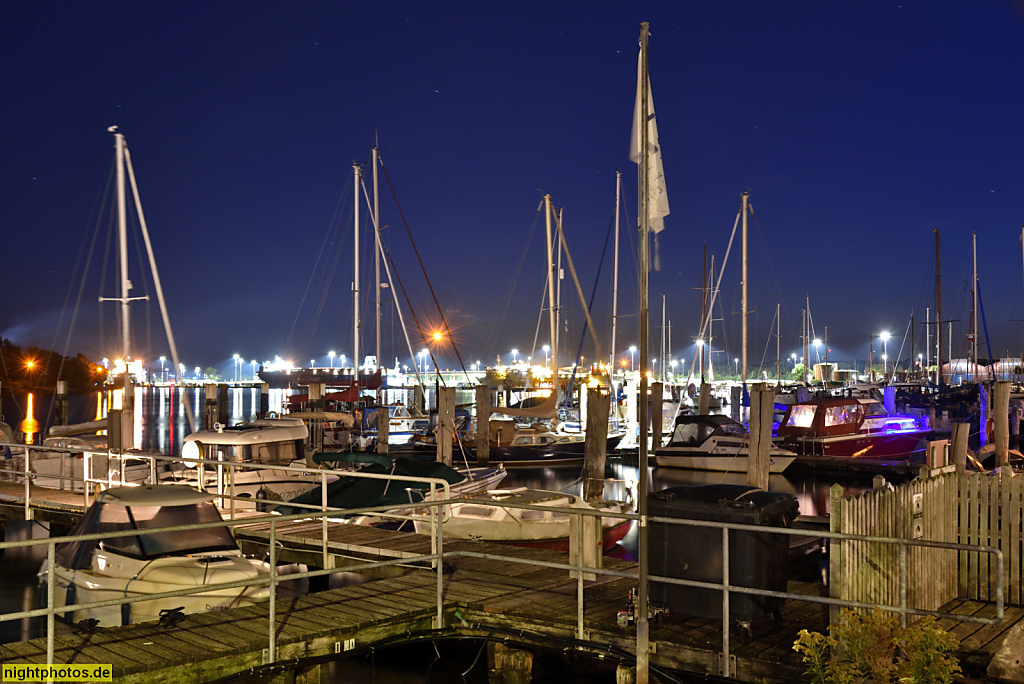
(967, 508)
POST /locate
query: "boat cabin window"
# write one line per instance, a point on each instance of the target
(692, 434)
(801, 416)
(843, 414)
(271, 453)
(156, 545)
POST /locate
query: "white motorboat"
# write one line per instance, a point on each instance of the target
(714, 442)
(66, 469)
(485, 517)
(265, 442)
(150, 562)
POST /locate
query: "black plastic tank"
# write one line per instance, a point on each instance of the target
(758, 560)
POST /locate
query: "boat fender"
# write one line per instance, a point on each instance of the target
(69, 600)
(192, 453)
(126, 614)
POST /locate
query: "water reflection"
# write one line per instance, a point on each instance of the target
(29, 426)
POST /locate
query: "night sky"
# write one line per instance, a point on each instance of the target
(858, 127)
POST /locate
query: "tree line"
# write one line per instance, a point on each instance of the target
(31, 369)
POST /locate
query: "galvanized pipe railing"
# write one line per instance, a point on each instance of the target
(438, 556)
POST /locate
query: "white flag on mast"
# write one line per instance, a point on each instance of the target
(657, 193)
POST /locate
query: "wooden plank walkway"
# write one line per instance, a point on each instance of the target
(533, 605)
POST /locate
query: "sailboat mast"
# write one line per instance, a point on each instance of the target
(746, 198)
(376, 264)
(615, 270)
(938, 324)
(122, 237)
(778, 346)
(664, 332)
(356, 178)
(703, 308)
(974, 311)
(552, 309)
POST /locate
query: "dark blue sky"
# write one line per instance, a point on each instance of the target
(858, 127)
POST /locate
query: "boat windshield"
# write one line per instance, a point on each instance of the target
(843, 414)
(271, 453)
(801, 416)
(692, 434)
(160, 544)
(874, 410)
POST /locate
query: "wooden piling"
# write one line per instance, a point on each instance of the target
(958, 438)
(762, 406)
(657, 419)
(264, 400)
(383, 429)
(60, 416)
(596, 444)
(222, 404)
(506, 665)
(736, 401)
(445, 424)
(704, 404)
(210, 406)
(316, 403)
(483, 422)
(1001, 414)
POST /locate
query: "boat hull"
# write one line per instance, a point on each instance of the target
(724, 463)
(905, 446)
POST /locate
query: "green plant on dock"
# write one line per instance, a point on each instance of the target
(875, 648)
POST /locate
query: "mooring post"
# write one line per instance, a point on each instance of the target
(595, 444)
(704, 403)
(383, 429)
(445, 424)
(222, 403)
(483, 424)
(736, 400)
(762, 405)
(60, 416)
(507, 665)
(1001, 414)
(264, 400)
(316, 403)
(984, 408)
(958, 437)
(657, 419)
(210, 407)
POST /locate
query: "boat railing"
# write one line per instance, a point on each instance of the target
(576, 564)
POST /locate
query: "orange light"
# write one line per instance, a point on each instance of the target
(30, 364)
(438, 336)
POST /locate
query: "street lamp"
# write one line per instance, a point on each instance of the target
(817, 348)
(236, 358)
(163, 376)
(736, 366)
(423, 359)
(632, 358)
(331, 354)
(341, 360)
(514, 352)
(885, 352)
(253, 362)
(312, 362)
(546, 350)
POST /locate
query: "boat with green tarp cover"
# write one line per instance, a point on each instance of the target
(362, 492)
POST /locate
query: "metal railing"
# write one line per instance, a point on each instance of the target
(438, 555)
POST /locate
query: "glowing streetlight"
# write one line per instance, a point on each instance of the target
(312, 362)
(546, 350)
(236, 358)
(514, 352)
(162, 375)
(253, 362)
(423, 358)
(331, 354)
(817, 348)
(736, 366)
(632, 358)
(885, 351)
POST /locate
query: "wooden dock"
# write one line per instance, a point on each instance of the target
(529, 606)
